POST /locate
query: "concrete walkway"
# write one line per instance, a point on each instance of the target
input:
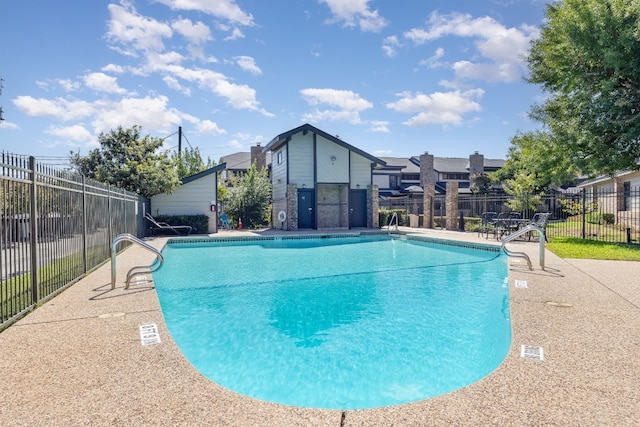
(78, 359)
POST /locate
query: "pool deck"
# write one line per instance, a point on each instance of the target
(78, 359)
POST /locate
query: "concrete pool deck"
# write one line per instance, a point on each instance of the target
(78, 359)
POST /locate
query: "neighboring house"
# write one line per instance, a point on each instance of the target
(619, 195)
(321, 182)
(401, 176)
(239, 163)
(197, 195)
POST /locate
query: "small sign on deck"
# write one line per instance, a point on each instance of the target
(149, 334)
(522, 284)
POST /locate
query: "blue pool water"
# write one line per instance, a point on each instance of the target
(342, 323)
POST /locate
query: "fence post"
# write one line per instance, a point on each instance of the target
(33, 220)
(584, 213)
(85, 261)
(110, 214)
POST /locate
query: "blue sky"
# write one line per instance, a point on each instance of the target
(391, 78)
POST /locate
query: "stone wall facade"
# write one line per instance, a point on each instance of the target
(452, 206)
(428, 184)
(258, 157)
(292, 207)
(373, 219)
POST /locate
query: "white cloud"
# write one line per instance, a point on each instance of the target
(132, 32)
(236, 33)
(8, 125)
(356, 13)
(502, 49)
(382, 153)
(207, 127)
(113, 68)
(59, 108)
(75, 133)
(442, 108)
(101, 82)
(241, 97)
(434, 61)
(389, 45)
(380, 126)
(247, 63)
(197, 33)
(68, 85)
(225, 9)
(152, 113)
(348, 105)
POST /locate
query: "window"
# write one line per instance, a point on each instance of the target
(279, 158)
(626, 189)
(411, 177)
(393, 181)
(456, 176)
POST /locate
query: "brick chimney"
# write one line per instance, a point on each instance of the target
(476, 164)
(259, 157)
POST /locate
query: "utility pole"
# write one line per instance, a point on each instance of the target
(179, 141)
(1, 118)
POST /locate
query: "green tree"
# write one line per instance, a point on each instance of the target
(129, 161)
(522, 189)
(539, 158)
(480, 183)
(248, 200)
(190, 162)
(587, 59)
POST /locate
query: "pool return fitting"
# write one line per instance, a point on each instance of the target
(139, 269)
(529, 228)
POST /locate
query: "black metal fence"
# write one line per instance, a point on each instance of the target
(605, 214)
(55, 226)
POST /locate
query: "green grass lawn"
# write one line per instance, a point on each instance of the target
(573, 247)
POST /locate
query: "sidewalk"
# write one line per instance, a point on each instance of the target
(78, 359)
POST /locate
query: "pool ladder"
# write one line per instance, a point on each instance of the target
(529, 228)
(139, 269)
(393, 220)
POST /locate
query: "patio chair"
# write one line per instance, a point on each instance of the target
(540, 220)
(506, 223)
(224, 222)
(160, 228)
(487, 223)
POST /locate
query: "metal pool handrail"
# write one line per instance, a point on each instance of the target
(139, 269)
(527, 229)
(394, 216)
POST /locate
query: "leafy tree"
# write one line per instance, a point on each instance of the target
(480, 183)
(249, 198)
(587, 59)
(540, 158)
(190, 162)
(129, 161)
(521, 188)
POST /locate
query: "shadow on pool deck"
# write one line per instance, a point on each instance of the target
(78, 359)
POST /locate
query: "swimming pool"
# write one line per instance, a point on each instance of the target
(340, 322)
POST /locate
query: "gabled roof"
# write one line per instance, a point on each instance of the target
(450, 164)
(406, 165)
(241, 161)
(285, 137)
(204, 173)
(440, 164)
